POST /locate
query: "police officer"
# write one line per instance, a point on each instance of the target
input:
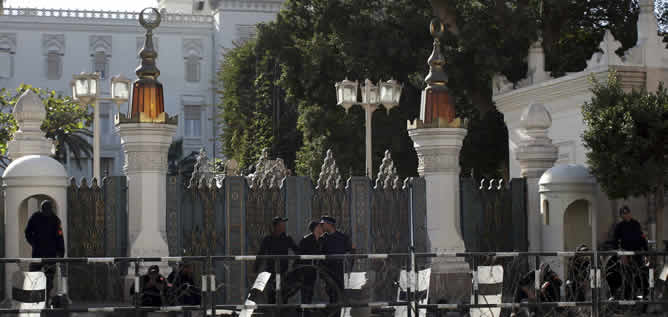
(334, 242)
(152, 286)
(276, 243)
(45, 234)
(309, 245)
(629, 236)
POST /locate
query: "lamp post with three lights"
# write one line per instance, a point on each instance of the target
(85, 91)
(385, 93)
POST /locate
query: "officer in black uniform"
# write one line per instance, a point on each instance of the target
(630, 237)
(45, 234)
(309, 245)
(277, 243)
(334, 242)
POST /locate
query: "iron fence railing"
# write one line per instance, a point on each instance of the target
(601, 283)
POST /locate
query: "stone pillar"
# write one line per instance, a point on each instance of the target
(145, 146)
(438, 157)
(438, 137)
(535, 154)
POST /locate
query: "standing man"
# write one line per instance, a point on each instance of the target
(45, 234)
(309, 245)
(277, 243)
(334, 242)
(629, 236)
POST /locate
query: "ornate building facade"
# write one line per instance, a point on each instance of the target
(45, 47)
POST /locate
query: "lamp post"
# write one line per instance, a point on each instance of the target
(85, 91)
(386, 93)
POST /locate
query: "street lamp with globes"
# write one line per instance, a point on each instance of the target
(85, 91)
(386, 93)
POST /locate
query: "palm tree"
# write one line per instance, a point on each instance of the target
(76, 141)
(66, 123)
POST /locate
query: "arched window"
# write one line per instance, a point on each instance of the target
(193, 52)
(53, 48)
(100, 64)
(54, 65)
(192, 69)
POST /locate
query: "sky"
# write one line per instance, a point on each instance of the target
(109, 5)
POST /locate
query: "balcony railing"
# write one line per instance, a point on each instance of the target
(98, 15)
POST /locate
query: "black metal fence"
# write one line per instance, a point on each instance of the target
(557, 284)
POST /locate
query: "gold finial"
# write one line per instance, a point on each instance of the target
(437, 76)
(149, 20)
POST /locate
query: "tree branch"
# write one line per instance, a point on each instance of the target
(445, 10)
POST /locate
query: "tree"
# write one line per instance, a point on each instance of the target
(626, 135)
(310, 47)
(66, 123)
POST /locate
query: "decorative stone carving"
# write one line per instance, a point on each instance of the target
(537, 71)
(100, 43)
(501, 84)
(193, 47)
(53, 42)
(606, 56)
(535, 153)
(202, 171)
(29, 139)
(387, 177)
(231, 168)
(330, 177)
(8, 42)
(268, 173)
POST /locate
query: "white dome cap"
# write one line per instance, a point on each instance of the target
(536, 116)
(35, 166)
(567, 174)
(29, 107)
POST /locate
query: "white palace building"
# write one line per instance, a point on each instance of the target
(45, 47)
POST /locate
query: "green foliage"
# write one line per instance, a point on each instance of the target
(66, 123)
(289, 70)
(626, 134)
(247, 129)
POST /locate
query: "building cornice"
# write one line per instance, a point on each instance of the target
(88, 19)
(13, 25)
(569, 86)
(251, 5)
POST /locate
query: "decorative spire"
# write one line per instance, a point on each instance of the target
(387, 177)
(148, 103)
(147, 69)
(330, 177)
(29, 139)
(437, 76)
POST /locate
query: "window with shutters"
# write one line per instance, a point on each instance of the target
(193, 121)
(100, 64)
(53, 65)
(192, 68)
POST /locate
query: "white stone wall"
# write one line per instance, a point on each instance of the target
(641, 67)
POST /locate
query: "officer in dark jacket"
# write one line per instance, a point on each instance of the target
(629, 236)
(309, 245)
(182, 287)
(334, 242)
(628, 233)
(45, 234)
(277, 243)
(152, 287)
